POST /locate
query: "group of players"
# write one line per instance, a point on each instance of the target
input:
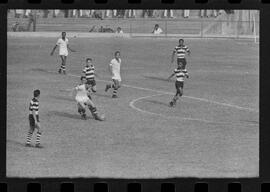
(82, 92)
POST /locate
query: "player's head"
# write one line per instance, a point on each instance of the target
(117, 54)
(64, 34)
(180, 65)
(181, 41)
(83, 79)
(36, 93)
(89, 61)
(156, 26)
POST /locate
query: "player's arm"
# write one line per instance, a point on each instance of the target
(72, 50)
(173, 54)
(53, 49)
(186, 74)
(110, 68)
(73, 91)
(188, 51)
(34, 112)
(170, 76)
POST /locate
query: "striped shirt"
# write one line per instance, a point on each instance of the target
(89, 72)
(34, 105)
(180, 74)
(181, 51)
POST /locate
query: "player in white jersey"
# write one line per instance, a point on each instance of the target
(83, 99)
(180, 74)
(115, 69)
(63, 44)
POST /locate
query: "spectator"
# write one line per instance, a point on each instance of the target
(208, 13)
(202, 12)
(215, 13)
(19, 13)
(170, 13)
(186, 13)
(107, 13)
(131, 13)
(97, 14)
(32, 15)
(119, 30)
(157, 30)
(145, 13)
(45, 13)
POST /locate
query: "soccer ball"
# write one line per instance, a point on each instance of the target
(102, 117)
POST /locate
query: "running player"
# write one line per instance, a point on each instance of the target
(89, 73)
(181, 50)
(34, 120)
(63, 44)
(180, 74)
(115, 68)
(83, 99)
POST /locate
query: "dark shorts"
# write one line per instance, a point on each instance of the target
(183, 61)
(91, 82)
(179, 84)
(32, 122)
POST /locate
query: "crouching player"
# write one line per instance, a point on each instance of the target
(114, 68)
(84, 100)
(180, 74)
(34, 120)
(89, 73)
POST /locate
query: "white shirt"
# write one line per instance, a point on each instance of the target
(116, 64)
(63, 50)
(158, 31)
(81, 94)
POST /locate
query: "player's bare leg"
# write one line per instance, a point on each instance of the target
(81, 110)
(63, 64)
(116, 86)
(93, 110)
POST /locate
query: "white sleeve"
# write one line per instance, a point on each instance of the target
(67, 41)
(111, 63)
(58, 42)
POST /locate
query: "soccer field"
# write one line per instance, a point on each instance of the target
(212, 132)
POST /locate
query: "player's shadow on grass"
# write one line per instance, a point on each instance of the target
(62, 98)
(16, 143)
(40, 70)
(107, 95)
(156, 78)
(68, 115)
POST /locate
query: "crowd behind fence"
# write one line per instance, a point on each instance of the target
(114, 13)
(153, 26)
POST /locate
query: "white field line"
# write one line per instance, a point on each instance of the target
(171, 93)
(132, 105)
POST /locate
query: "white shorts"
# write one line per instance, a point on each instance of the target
(63, 53)
(82, 99)
(116, 77)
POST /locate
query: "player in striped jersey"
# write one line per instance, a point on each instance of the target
(89, 73)
(180, 74)
(83, 99)
(34, 120)
(181, 50)
(115, 69)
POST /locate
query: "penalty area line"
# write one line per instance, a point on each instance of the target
(132, 105)
(171, 93)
